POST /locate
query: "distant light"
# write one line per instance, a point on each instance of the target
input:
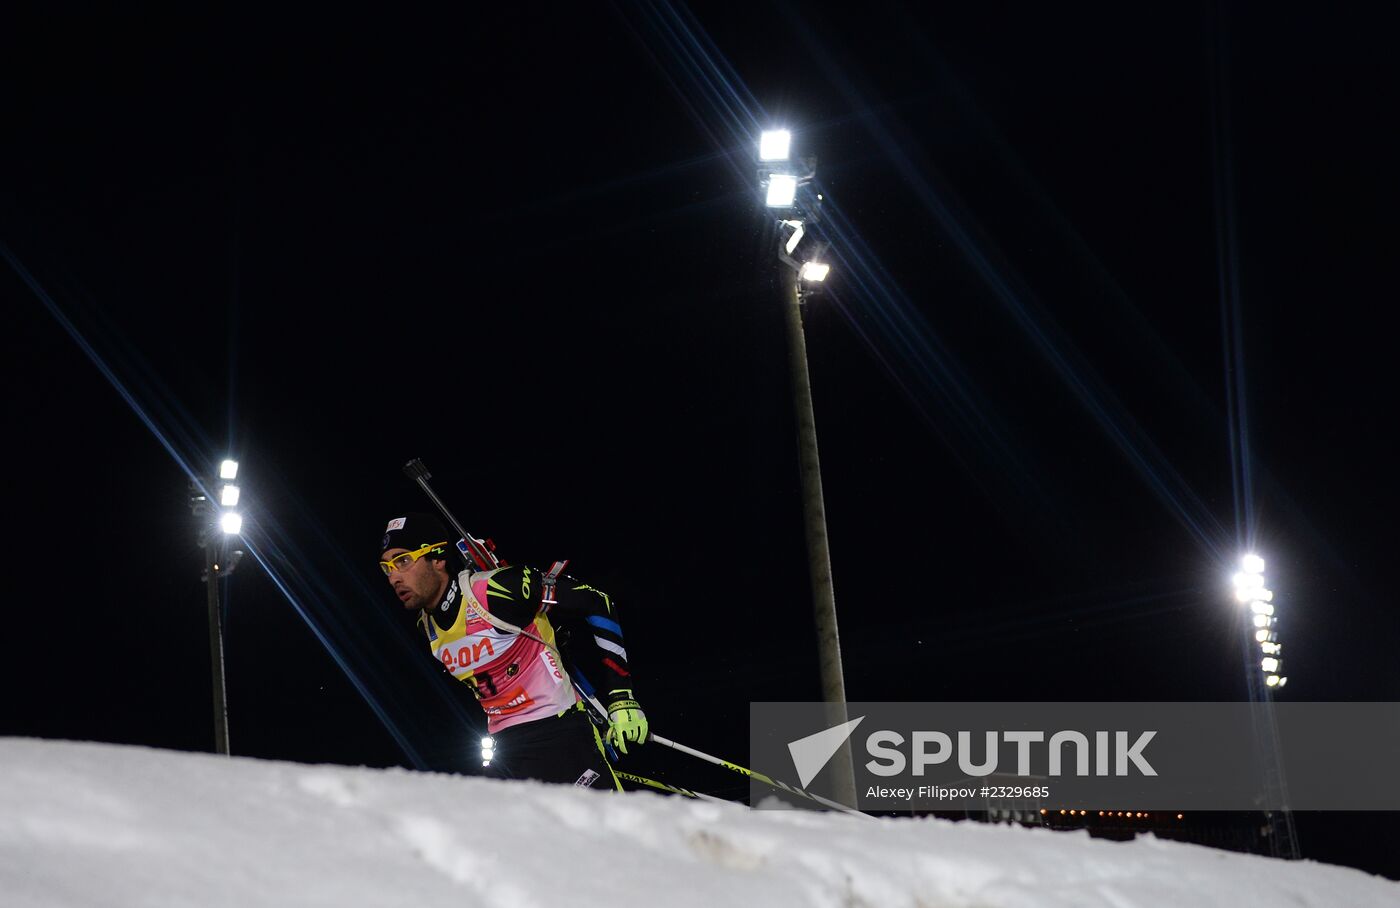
(773, 145)
(231, 523)
(228, 469)
(782, 191)
(814, 271)
(1180, 817)
(1269, 664)
(228, 497)
(1282, 682)
(1252, 563)
(488, 742)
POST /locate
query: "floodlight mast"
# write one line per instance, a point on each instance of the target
(217, 536)
(216, 649)
(809, 463)
(1263, 664)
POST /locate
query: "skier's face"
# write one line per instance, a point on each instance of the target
(421, 584)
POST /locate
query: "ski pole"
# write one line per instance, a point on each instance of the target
(758, 776)
(662, 786)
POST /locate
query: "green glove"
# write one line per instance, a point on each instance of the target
(626, 721)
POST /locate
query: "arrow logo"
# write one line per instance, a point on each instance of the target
(813, 752)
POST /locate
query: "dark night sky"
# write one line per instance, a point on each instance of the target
(528, 248)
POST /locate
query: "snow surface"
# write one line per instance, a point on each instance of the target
(102, 825)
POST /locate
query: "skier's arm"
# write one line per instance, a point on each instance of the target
(592, 620)
(596, 644)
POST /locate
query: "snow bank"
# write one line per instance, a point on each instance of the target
(92, 824)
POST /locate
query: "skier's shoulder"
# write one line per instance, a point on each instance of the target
(511, 582)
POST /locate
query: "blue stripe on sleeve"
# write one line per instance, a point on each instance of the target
(606, 624)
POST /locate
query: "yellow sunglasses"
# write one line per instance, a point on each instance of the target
(405, 561)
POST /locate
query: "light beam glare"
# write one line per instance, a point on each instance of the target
(171, 440)
(708, 85)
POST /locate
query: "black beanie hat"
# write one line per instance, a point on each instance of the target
(413, 531)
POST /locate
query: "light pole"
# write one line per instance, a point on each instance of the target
(1250, 588)
(802, 255)
(219, 528)
(1263, 662)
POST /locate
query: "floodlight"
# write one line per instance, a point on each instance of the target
(773, 145)
(1248, 581)
(814, 271)
(1252, 563)
(488, 743)
(1282, 681)
(228, 469)
(1259, 607)
(1272, 681)
(231, 523)
(1261, 621)
(1272, 649)
(228, 496)
(1269, 664)
(1244, 595)
(782, 191)
(1261, 635)
(1266, 595)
